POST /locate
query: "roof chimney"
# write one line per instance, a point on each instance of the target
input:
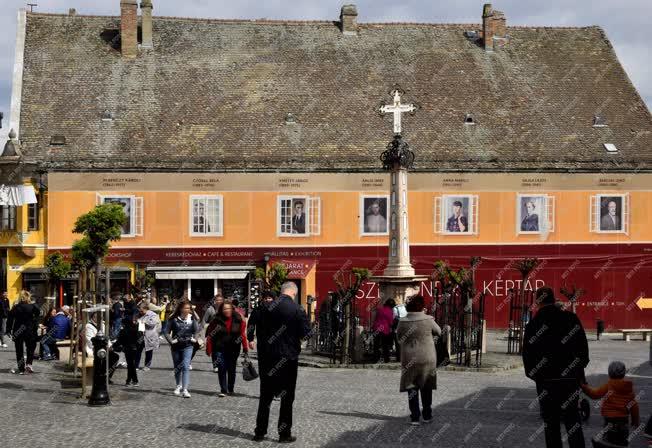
(146, 11)
(349, 20)
(129, 28)
(494, 28)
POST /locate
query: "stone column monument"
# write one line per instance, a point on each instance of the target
(398, 280)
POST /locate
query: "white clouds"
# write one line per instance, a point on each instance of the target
(623, 21)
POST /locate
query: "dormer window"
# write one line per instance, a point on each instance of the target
(610, 147)
(599, 121)
(468, 119)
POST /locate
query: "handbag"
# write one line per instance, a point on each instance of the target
(441, 347)
(249, 372)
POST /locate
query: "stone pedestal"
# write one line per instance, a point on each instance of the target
(398, 288)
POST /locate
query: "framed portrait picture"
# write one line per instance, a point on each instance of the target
(610, 213)
(458, 214)
(532, 214)
(374, 210)
(299, 216)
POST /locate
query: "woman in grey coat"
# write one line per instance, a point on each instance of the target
(151, 326)
(415, 334)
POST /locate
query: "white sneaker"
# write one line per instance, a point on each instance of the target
(177, 391)
(221, 395)
(146, 369)
(216, 369)
(190, 367)
(186, 394)
(3, 345)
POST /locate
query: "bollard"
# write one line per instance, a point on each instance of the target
(599, 328)
(100, 393)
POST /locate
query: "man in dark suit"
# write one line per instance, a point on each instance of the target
(299, 218)
(555, 353)
(281, 325)
(610, 221)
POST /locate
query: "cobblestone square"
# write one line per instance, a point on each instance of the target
(334, 407)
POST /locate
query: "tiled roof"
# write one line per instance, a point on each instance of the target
(213, 95)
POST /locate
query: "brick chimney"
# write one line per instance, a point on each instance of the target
(349, 20)
(146, 12)
(129, 28)
(494, 27)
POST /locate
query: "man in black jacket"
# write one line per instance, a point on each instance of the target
(281, 325)
(555, 353)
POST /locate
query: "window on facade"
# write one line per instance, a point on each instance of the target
(32, 217)
(610, 213)
(7, 217)
(133, 208)
(299, 215)
(206, 215)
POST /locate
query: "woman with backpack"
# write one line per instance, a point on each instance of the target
(180, 334)
(225, 335)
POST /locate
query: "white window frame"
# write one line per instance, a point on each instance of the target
(220, 216)
(594, 213)
(472, 214)
(388, 218)
(546, 221)
(136, 201)
(307, 203)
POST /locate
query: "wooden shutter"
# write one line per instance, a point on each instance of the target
(314, 203)
(138, 216)
(437, 214)
(594, 214)
(626, 213)
(474, 212)
(550, 213)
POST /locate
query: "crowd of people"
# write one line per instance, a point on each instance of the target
(555, 353)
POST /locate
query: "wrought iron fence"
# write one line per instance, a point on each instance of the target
(520, 312)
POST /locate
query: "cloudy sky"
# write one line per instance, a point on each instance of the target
(626, 22)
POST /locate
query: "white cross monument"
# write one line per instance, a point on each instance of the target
(398, 280)
(398, 110)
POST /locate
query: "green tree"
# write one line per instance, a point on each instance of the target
(57, 268)
(273, 278)
(100, 227)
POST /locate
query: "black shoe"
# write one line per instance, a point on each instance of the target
(128, 384)
(287, 439)
(258, 437)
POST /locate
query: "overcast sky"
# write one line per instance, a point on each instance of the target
(627, 22)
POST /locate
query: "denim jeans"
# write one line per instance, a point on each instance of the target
(226, 364)
(181, 360)
(149, 354)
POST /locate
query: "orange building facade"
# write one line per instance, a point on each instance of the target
(202, 233)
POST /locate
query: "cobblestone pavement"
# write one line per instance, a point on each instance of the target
(334, 408)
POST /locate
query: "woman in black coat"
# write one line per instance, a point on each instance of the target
(24, 325)
(131, 341)
(227, 333)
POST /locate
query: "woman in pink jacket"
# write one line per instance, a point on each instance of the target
(383, 329)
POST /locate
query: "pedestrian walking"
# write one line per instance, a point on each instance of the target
(4, 315)
(555, 353)
(170, 306)
(131, 341)
(180, 334)
(618, 405)
(211, 309)
(415, 333)
(383, 332)
(150, 324)
(117, 314)
(225, 335)
(267, 297)
(24, 325)
(281, 327)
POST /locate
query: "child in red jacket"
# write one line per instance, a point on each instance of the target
(618, 405)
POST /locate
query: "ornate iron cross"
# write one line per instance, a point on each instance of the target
(397, 109)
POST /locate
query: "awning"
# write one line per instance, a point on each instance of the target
(16, 195)
(201, 275)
